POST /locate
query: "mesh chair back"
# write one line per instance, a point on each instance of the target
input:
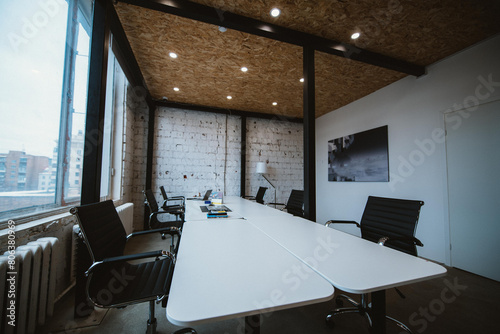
(391, 218)
(163, 193)
(102, 229)
(260, 195)
(151, 200)
(295, 204)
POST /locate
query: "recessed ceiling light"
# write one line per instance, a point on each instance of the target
(229, 97)
(244, 69)
(355, 35)
(301, 79)
(275, 12)
(176, 89)
(173, 55)
(222, 29)
(275, 103)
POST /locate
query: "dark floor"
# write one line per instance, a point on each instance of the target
(457, 303)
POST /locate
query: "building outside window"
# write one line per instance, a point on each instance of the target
(44, 61)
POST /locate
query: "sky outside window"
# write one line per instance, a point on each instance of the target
(32, 45)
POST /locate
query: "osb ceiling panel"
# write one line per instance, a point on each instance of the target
(418, 31)
(207, 69)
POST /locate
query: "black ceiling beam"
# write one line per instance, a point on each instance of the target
(207, 14)
(125, 55)
(234, 112)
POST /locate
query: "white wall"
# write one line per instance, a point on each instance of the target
(413, 109)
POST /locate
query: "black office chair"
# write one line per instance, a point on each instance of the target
(112, 281)
(259, 198)
(390, 222)
(178, 201)
(154, 222)
(295, 203)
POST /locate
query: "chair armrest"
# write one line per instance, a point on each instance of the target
(154, 214)
(130, 257)
(172, 208)
(167, 230)
(283, 204)
(417, 242)
(328, 223)
(171, 199)
(177, 198)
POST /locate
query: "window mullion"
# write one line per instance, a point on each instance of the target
(65, 128)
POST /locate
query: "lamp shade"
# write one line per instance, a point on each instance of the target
(261, 168)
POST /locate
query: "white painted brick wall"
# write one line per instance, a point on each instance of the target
(192, 153)
(280, 145)
(135, 154)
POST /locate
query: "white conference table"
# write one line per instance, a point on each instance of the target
(194, 213)
(228, 268)
(345, 261)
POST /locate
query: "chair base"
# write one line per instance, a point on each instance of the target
(363, 308)
(151, 329)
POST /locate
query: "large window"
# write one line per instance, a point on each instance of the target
(44, 61)
(112, 147)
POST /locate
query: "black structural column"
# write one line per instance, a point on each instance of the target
(149, 159)
(309, 135)
(92, 158)
(243, 155)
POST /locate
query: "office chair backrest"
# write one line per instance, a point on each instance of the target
(151, 200)
(295, 204)
(391, 217)
(102, 228)
(163, 193)
(260, 195)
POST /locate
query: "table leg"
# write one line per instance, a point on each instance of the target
(378, 312)
(252, 324)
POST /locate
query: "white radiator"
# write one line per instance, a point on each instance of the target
(27, 281)
(126, 213)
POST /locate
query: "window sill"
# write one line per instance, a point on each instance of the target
(37, 224)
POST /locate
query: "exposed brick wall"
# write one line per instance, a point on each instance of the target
(280, 145)
(192, 153)
(135, 153)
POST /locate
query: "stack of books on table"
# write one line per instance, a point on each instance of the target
(217, 213)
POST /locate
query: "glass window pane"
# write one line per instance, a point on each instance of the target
(79, 111)
(32, 66)
(43, 94)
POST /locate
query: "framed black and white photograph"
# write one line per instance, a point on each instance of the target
(363, 157)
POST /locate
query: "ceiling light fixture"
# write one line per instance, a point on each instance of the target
(301, 79)
(275, 12)
(244, 69)
(275, 103)
(176, 89)
(222, 29)
(229, 97)
(355, 35)
(173, 55)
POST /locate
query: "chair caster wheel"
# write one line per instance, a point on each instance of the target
(339, 302)
(329, 321)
